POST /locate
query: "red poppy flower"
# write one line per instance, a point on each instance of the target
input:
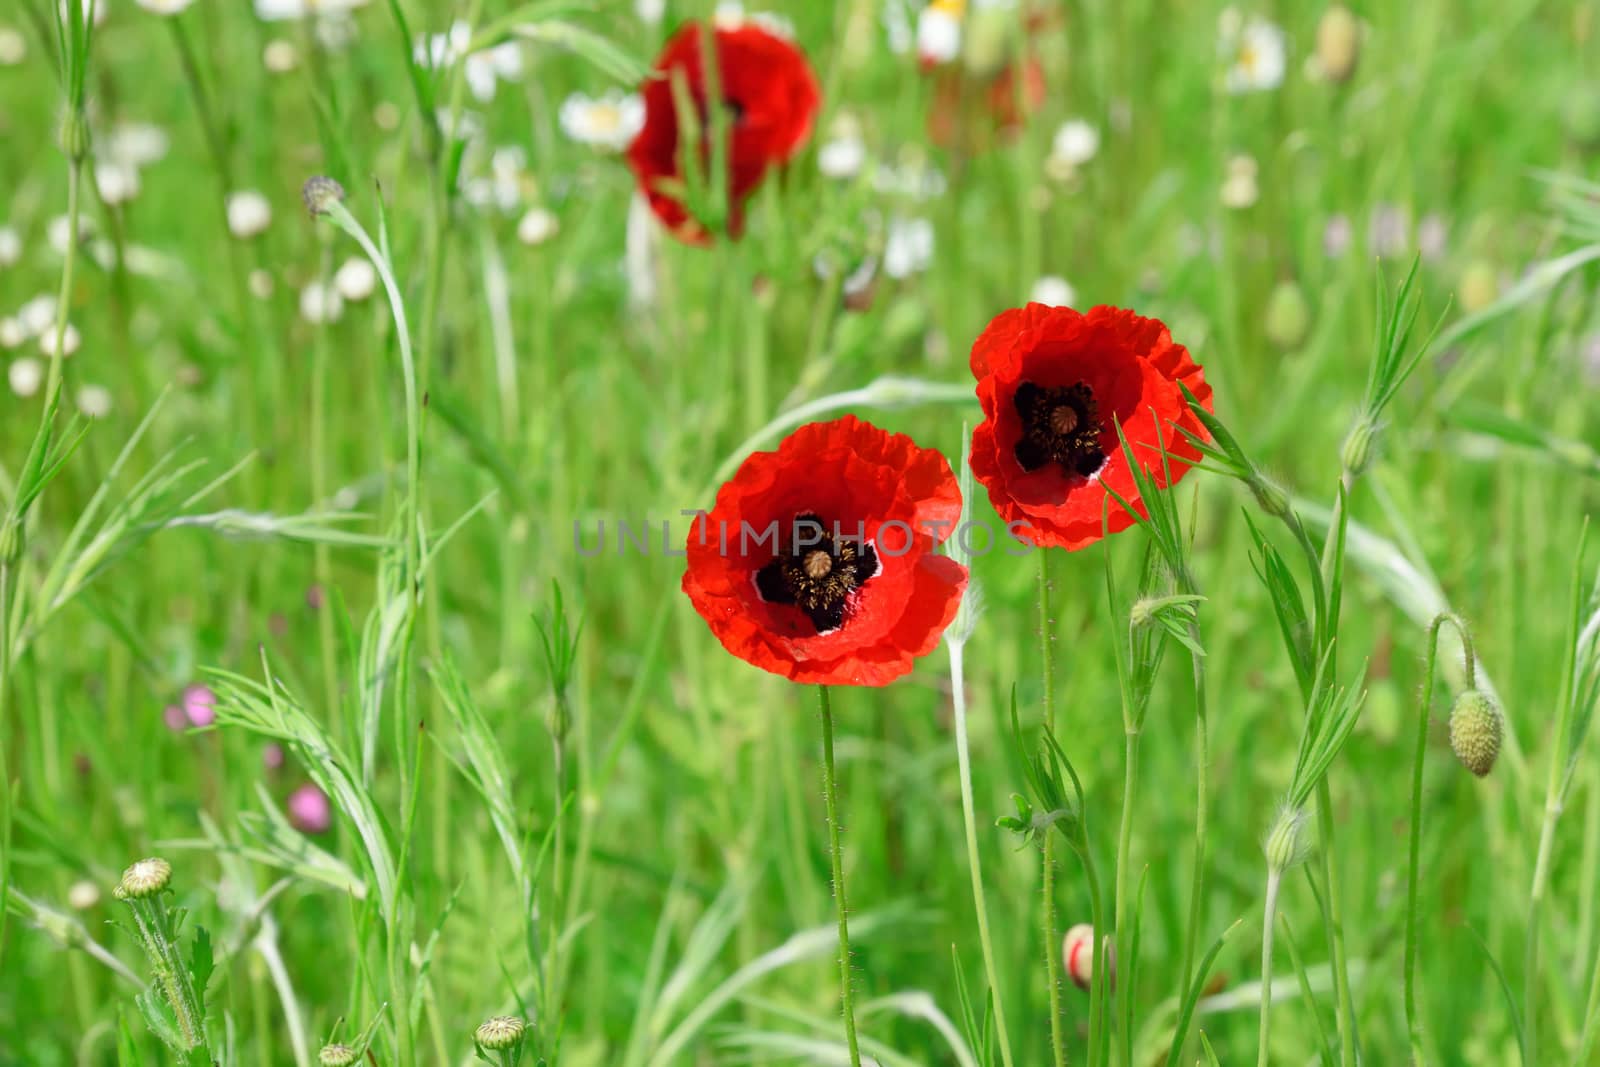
(1054, 384)
(771, 96)
(817, 561)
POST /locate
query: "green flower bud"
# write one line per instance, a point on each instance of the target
(338, 1056)
(1288, 316)
(74, 136)
(1269, 495)
(1357, 451)
(321, 193)
(1287, 842)
(144, 879)
(1476, 729)
(500, 1033)
(1338, 43)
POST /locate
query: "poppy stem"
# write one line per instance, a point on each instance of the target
(1052, 937)
(830, 797)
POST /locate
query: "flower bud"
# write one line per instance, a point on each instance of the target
(500, 1033)
(1287, 844)
(144, 879)
(1338, 43)
(1269, 495)
(320, 193)
(1357, 451)
(74, 135)
(338, 1056)
(1077, 955)
(1476, 728)
(1288, 316)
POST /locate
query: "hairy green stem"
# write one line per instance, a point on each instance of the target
(1052, 939)
(830, 798)
(974, 865)
(1269, 915)
(1202, 788)
(1121, 921)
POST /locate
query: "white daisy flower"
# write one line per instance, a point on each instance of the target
(249, 214)
(844, 153)
(1239, 188)
(12, 335)
(13, 47)
(355, 279)
(83, 895)
(134, 144)
(486, 69)
(1075, 143)
(10, 246)
(908, 248)
(537, 227)
(1256, 51)
(505, 184)
(59, 229)
(285, 10)
(71, 341)
(164, 7)
(939, 32)
(1054, 290)
(117, 182)
(650, 12)
(610, 121)
(320, 303)
(94, 401)
(38, 314)
(25, 376)
(279, 57)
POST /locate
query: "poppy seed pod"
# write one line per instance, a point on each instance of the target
(144, 879)
(500, 1033)
(337, 1056)
(1476, 728)
(1338, 43)
(1077, 956)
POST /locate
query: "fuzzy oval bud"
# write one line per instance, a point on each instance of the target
(1269, 495)
(1288, 316)
(1476, 729)
(74, 135)
(320, 193)
(1077, 956)
(1357, 451)
(338, 1056)
(144, 879)
(1338, 43)
(501, 1032)
(1286, 842)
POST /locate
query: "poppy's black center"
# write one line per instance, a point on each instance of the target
(1060, 425)
(816, 570)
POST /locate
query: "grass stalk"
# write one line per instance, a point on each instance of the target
(835, 851)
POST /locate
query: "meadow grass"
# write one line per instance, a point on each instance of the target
(551, 794)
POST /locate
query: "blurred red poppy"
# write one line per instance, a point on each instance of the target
(1054, 384)
(818, 563)
(771, 97)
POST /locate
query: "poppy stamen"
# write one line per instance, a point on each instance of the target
(1060, 425)
(817, 573)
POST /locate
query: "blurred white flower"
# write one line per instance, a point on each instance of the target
(730, 15)
(134, 144)
(83, 895)
(38, 314)
(320, 303)
(939, 32)
(59, 229)
(94, 401)
(537, 227)
(249, 214)
(608, 121)
(1433, 237)
(1075, 143)
(335, 31)
(505, 185)
(908, 247)
(844, 153)
(1255, 50)
(650, 11)
(10, 246)
(97, 6)
(1388, 231)
(641, 247)
(914, 180)
(261, 284)
(11, 333)
(13, 47)
(279, 57)
(117, 182)
(1054, 290)
(1239, 188)
(164, 7)
(483, 69)
(1336, 236)
(896, 18)
(281, 10)
(25, 376)
(355, 279)
(71, 341)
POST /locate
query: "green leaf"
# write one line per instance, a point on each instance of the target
(202, 961)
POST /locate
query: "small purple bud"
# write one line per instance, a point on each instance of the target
(309, 810)
(200, 705)
(272, 756)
